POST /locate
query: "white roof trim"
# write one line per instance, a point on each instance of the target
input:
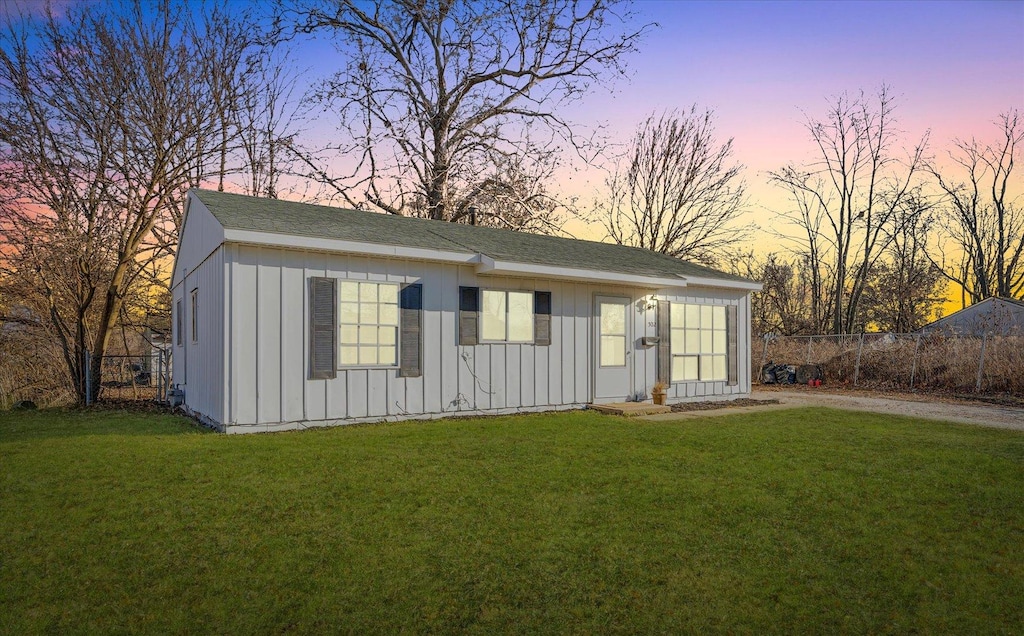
(484, 264)
(181, 230)
(354, 247)
(488, 265)
(724, 283)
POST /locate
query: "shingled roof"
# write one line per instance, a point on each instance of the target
(276, 216)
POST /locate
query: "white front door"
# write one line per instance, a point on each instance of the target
(612, 349)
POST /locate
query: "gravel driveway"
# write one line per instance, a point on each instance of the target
(933, 409)
(923, 406)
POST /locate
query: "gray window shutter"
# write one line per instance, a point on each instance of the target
(732, 330)
(469, 315)
(323, 328)
(542, 318)
(411, 325)
(664, 342)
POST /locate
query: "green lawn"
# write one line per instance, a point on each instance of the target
(802, 521)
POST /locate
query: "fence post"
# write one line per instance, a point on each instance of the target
(159, 376)
(856, 369)
(88, 378)
(764, 356)
(810, 341)
(981, 362)
(913, 368)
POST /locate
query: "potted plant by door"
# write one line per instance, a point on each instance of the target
(659, 392)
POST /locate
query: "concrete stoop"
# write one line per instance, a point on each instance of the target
(630, 409)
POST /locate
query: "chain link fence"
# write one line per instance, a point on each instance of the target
(916, 361)
(135, 377)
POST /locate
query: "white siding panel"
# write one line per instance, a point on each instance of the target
(744, 345)
(378, 393)
(567, 321)
(268, 349)
(541, 373)
(528, 373)
(513, 381)
(269, 341)
(243, 337)
(497, 374)
(293, 336)
(480, 371)
(357, 387)
(581, 360)
(199, 366)
(177, 352)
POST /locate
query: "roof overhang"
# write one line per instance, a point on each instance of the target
(270, 239)
(724, 283)
(485, 265)
(488, 265)
(184, 218)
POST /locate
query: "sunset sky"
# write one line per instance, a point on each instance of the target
(955, 66)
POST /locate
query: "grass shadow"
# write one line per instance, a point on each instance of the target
(64, 423)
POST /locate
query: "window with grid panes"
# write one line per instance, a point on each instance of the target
(699, 342)
(368, 323)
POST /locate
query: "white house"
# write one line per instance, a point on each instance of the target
(288, 315)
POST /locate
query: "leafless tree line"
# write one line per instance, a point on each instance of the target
(451, 111)
(108, 114)
(881, 229)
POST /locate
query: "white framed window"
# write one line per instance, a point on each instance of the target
(507, 316)
(699, 342)
(368, 324)
(194, 300)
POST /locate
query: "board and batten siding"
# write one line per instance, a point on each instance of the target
(198, 366)
(696, 391)
(268, 379)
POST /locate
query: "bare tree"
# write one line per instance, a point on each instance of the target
(981, 214)
(437, 97)
(845, 200)
(904, 288)
(678, 192)
(785, 303)
(267, 112)
(107, 115)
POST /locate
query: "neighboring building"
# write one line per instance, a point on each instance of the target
(994, 316)
(289, 315)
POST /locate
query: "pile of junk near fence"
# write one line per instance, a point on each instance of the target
(809, 374)
(916, 361)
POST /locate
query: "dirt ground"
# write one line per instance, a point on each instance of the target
(1006, 412)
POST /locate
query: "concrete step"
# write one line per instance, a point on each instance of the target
(630, 409)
